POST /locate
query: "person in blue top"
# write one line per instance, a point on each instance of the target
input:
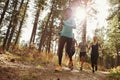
(66, 37)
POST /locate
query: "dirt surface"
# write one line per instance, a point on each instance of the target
(11, 69)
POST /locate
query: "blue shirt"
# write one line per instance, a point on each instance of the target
(68, 26)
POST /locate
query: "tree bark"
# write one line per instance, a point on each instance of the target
(32, 39)
(118, 57)
(42, 39)
(7, 35)
(4, 10)
(9, 28)
(50, 34)
(12, 32)
(13, 24)
(21, 23)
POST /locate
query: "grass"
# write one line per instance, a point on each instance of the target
(29, 76)
(32, 55)
(38, 61)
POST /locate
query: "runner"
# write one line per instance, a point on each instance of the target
(94, 53)
(82, 46)
(66, 36)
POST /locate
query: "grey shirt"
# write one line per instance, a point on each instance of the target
(83, 46)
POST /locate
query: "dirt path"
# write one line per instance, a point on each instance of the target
(73, 75)
(45, 71)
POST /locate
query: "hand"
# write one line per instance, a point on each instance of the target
(62, 23)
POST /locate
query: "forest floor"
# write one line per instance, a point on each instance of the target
(13, 67)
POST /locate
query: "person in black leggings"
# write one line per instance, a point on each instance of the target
(66, 36)
(94, 53)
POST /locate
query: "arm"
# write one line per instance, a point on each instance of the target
(89, 46)
(69, 23)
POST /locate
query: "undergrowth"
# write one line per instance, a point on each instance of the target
(115, 73)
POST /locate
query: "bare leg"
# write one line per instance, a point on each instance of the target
(82, 59)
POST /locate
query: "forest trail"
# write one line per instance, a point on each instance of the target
(16, 70)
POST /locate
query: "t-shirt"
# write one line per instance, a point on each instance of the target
(68, 26)
(83, 46)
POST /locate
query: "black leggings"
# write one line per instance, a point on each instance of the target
(62, 42)
(72, 52)
(94, 59)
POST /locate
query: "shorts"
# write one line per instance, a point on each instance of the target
(82, 54)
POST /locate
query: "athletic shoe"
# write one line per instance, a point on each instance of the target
(58, 68)
(93, 71)
(70, 65)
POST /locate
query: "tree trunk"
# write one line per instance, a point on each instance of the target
(9, 29)
(4, 10)
(85, 22)
(50, 34)
(118, 60)
(42, 39)
(17, 19)
(32, 39)
(7, 35)
(14, 23)
(12, 32)
(21, 23)
(84, 30)
(118, 57)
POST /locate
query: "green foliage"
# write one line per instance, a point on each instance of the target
(114, 73)
(40, 3)
(29, 76)
(113, 31)
(0, 37)
(114, 10)
(114, 2)
(2, 1)
(61, 3)
(28, 59)
(38, 66)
